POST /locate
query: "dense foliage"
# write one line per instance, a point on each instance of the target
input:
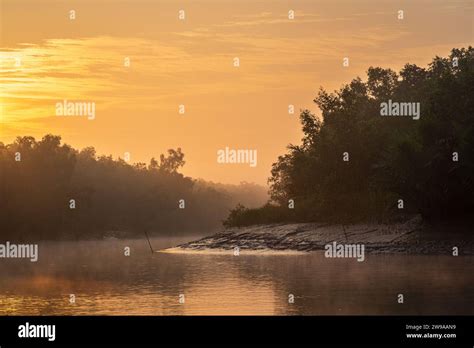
(38, 180)
(390, 158)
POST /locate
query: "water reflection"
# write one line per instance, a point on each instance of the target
(105, 281)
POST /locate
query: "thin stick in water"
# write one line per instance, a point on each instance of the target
(148, 239)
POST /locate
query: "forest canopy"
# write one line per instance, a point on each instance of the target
(354, 165)
(38, 180)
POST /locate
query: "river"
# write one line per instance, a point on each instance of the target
(103, 281)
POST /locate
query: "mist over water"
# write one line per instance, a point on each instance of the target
(105, 282)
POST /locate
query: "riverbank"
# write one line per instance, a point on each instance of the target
(413, 237)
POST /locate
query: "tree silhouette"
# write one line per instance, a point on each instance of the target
(390, 158)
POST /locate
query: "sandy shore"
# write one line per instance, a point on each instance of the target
(412, 236)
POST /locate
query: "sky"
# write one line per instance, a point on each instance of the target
(46, 57)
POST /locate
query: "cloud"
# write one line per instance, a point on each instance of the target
(171, 66)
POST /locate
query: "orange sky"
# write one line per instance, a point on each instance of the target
(190, 62)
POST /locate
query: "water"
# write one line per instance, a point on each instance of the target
(105, 282)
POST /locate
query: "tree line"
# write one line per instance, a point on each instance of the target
(355, 165)
(49, 190)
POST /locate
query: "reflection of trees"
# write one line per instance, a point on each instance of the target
(106, 281)
(433, 284)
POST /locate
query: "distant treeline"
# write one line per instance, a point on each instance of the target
(354, 164)
(50, 190)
